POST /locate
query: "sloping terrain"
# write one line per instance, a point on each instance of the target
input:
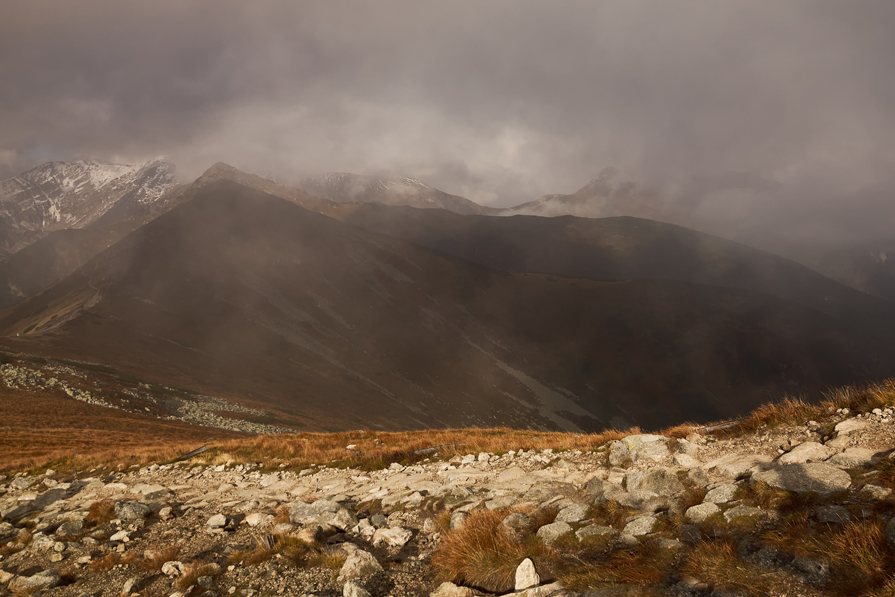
(244, 295)
(343, 187)
(62, 195)
(625, 248)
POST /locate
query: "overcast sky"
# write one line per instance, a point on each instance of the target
(752, 116)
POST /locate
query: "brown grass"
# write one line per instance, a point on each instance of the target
(479, 554)
(111, 560)
(192, 572)
(717, 564)
(153, 560)
(99, 513)
(645, 564)
(288, 546)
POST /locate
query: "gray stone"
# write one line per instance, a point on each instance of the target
(322, 512)
(813, 477)
(806, 452)
(131, 510)
(700, 512)
(595, 488)
(744, 512)
(379, 521)
(736, 466)
(689, 448)
(637, 448)
(449, 589)
(353, 588)
(721, 494)
(72, 528)
(839, 443)
(640, 526)
(42, 580)
(526, 575)
(553, 531)
(654, 481)
(698, 477)
(890, 533)
(395, 536)
(21, 483)
(685, 461)
(517, 521)
(573, 513)
(130, 585)
(877, 492)
(850, 425)
(853, 457)
(593, 530)
(832, 514)
(359, 565)
(217, 521)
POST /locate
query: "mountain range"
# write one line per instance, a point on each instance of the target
(363, 314)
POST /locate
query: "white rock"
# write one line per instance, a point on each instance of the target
(449, 589)
(217, 521)
(685, 461)
(353, 588)
(395, 536)
(122, 536)
(700, 512)
(806, 452)
(172, 568)
(849, 425)
(526, 575)
(257, 518)
(359, 566)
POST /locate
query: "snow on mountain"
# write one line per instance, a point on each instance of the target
(61, 195)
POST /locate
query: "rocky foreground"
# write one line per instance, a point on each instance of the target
(776, 497)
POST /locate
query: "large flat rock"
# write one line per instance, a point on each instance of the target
(814, 477)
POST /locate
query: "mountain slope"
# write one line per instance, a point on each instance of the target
(625, 248)
(63, 195)
(603, 197)
(246, 295)
(343, 187)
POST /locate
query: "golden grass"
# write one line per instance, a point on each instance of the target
(717, 563)
(111, 560)
(153, 560)
(480, 554)
(99, 513)
(192, 572)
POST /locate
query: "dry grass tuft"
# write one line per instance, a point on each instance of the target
(290, 547)
(111, 560)
(646, 564)
(479, 554)
(193, 571)
(99, 513)
(281, 515)
(153, 560)
(717, 563)
(858, 552)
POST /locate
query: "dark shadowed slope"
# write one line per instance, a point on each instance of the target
(625, 248)
(241, 293)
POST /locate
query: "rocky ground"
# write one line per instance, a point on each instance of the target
(251, 529)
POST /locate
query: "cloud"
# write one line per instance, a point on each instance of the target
(756, 120)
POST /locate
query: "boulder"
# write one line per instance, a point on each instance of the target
(849, 425)
(593, 530)
(353, 588)
(449, 589)
(322, 512)
(21, 483)
(395, 536)
(721, 494)
(526, 575)
(595, 488)
(636, 448)
(853, 457)
(700, 512)
(360, 565)
(42, 580)
(839, 443)
(654, 481)
(640, 526)
(806, 452)
(131, 510)
(813, 477)
(553, 531)
(573, 513)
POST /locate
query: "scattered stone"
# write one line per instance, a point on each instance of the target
(449, 589)
(395, 536)
(744, 511)
(737, 466)
(877, 492)
(256, 518)
(217, 521)
(573, 513)
(131, 510)
(700, 512)
(553, 531)
(122, 536)
(721, 494)
(685, 461)
(654, 481)
(130, 585)
(640, 526)
(636, 448)
(803, 478)
(806, 452)
(353, 588)
(359, 565)
(72, 528)
(850, 425)
(593, 530)
(173, 568)
(853, 457)
(322, 512)
(526, 575)
(42, 580)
